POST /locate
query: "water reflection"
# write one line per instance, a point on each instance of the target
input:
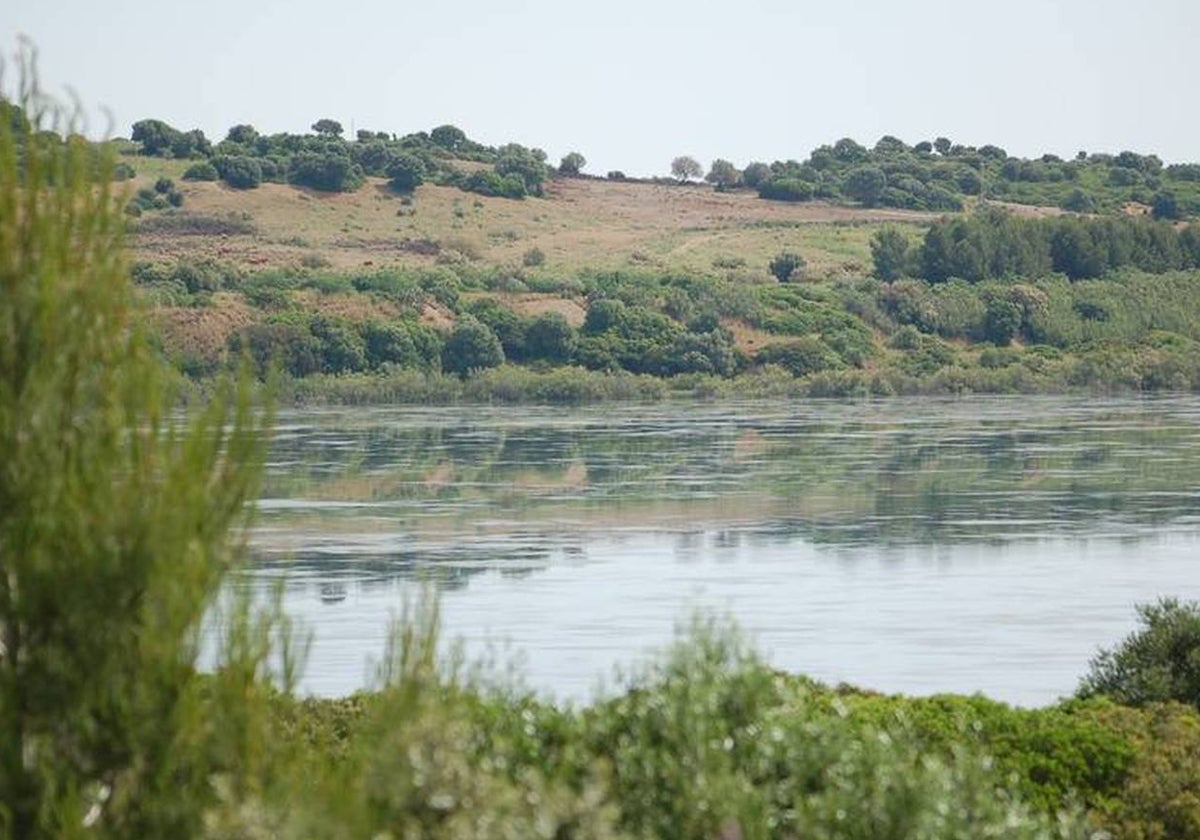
(498, 507)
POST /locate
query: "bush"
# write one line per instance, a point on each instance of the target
(115, 529)
(889, 253)
(405, 173)
(786, 189)
(471, 347)
(239, 171)
(1159, 662)
(533, 258)
(787, 266)
(329, 171)
(203, 171)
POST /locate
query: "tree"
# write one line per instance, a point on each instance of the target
(686, 168)
(571, 164)
(550, 337)
(156, 136)
(755, 174)
(240, 171)
(865, 184)
(327, 128)
(471, 347)
(787, 266)
(115, 520)
(449, 137)
(331, 171)
(1165, 206)
(243, 135)
(942, 145)
(847, 150)
(406, 173)
(529, 165)
(723, 174)
(889, 253)
(1158, 662)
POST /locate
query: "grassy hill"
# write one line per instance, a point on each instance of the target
(359, 294)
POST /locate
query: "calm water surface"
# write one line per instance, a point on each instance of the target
(982, 544)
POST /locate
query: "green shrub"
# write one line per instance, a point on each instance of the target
(203, 171)
(1160, 661)
(329, 171)
(239, 172)
(787, 266)
(471, 346)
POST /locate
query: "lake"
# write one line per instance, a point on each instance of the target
(905, 545)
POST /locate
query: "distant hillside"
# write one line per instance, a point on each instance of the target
(936, 175)
(429, 267)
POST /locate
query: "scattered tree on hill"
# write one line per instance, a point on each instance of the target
(449, 137)
(239, 171)
(865, 184)
(787, 266)
(942, 145)
(889, 253)
(529, 165)
(755, 174)
(327, 128)
(686, 168)
(723, 174)
(571, 164)
(330, 171)
(243, 135)
(203, 171)
(155, 136)
(406, 173)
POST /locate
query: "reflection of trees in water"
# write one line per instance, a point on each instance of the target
(846, 474)
(447, 569)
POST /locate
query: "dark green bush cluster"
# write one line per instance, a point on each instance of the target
(638, 339)
(942, 175)
(305, 345)
(325, 161)
(158, 139)
(186, 282)
(161, 196)
(996, 244)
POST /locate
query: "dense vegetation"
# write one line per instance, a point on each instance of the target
(942, 175)
(118, 522)
(936, 176)
(325, 160)
(1133, 329)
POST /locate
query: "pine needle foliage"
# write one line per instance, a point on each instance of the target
(116, 517)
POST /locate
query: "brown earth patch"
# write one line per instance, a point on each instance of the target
(351, 307)
(204, 331)
(532, 305)
(750, 339)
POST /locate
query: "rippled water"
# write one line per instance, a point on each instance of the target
(985, 544)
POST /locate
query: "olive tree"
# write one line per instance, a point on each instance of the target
(723, 174)
(686, 168)
(572, 164)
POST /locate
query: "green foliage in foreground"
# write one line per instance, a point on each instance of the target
(706, 741)
(115, 521)
(1158, 663)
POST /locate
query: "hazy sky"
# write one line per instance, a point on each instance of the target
(633, 83)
